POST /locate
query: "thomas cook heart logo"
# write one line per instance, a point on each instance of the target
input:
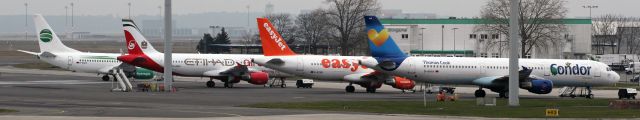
(46, 35)
(378, 38)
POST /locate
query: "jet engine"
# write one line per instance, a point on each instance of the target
(401, 83)
(538, 86)
(142, 73)
(258, 78)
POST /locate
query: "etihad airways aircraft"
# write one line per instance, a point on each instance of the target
(536, 75)
(54, 52)
(229, 68)
(280, 57)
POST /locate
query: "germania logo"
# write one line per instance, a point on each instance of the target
(275, 37)
(570, 70)
(378, 38)
(46, 35)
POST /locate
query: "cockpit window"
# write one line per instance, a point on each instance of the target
(608, 69)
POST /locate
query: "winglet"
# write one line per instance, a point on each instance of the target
(272, 42)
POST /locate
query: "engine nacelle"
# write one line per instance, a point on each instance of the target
(538, 86)
(258, 78)
(401, 83)
(142, 73)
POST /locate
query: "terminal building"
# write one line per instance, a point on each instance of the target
(457, 38)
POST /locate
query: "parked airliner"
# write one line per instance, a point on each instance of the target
(229, 68)
(280, 57)
(536, 75)
(54, 52)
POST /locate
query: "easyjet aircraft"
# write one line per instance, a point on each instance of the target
(536, 75)
(280, 57)
(54, 52)
(229, 68)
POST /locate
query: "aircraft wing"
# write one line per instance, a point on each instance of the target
(107, 69)
(495, 81)
(373, 76)
(237, 70)
(28, 52)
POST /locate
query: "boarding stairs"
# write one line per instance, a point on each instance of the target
(120, 76)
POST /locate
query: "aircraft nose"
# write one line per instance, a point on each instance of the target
(616, 77)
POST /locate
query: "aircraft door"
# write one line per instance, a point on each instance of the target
(300, 65)
(69, 62)
(596, 71)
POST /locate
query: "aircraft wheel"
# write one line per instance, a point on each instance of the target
(502, 95)
(371, 90)
(590, 96)
(480, 93)
(226, 85)
(105, 78)
(350, 89)
(283, 85)
(211, 84)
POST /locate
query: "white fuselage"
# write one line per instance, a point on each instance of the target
(99, 63)
(196, 65)
(331, 68)
(456, 70)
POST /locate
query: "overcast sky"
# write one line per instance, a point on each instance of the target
(459, 8)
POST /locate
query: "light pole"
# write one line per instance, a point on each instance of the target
(454, 40)
(72, 26)
(160, 15)
(442, 39)
(514, 47)
(590, 7)
(422, 38)
(129, 4)
(168, 69)
(26, 5)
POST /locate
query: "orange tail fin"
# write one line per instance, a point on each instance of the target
(272, 42)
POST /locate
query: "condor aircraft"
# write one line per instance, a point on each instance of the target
(280, 57)
(54, 52)
(536, 75)
(229, 68)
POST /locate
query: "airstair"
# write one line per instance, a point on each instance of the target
(275, 82)
(569, 91)
(120, 77)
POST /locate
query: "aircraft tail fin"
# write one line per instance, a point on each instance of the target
(380, 42)
(272, 42)
(136, 43)
(47, 39)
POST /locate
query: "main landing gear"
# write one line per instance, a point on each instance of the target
(210, 83)
(228, 85)
(480, 93)
(350, 88)
(105, 78)
(371, 90)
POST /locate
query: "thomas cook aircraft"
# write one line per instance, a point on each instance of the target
(280, 57)
(229, 68)
(536, 75)
(54, 52)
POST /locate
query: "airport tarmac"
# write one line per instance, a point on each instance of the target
(64, 93)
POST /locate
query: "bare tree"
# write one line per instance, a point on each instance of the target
(313, 28)
(604, 30)
(347, 18)
(539, 22)
(284, 25)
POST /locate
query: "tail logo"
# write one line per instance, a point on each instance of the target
(378, 38)
(143, 45)
(131, 45)
(275, 37)
(46, 35)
